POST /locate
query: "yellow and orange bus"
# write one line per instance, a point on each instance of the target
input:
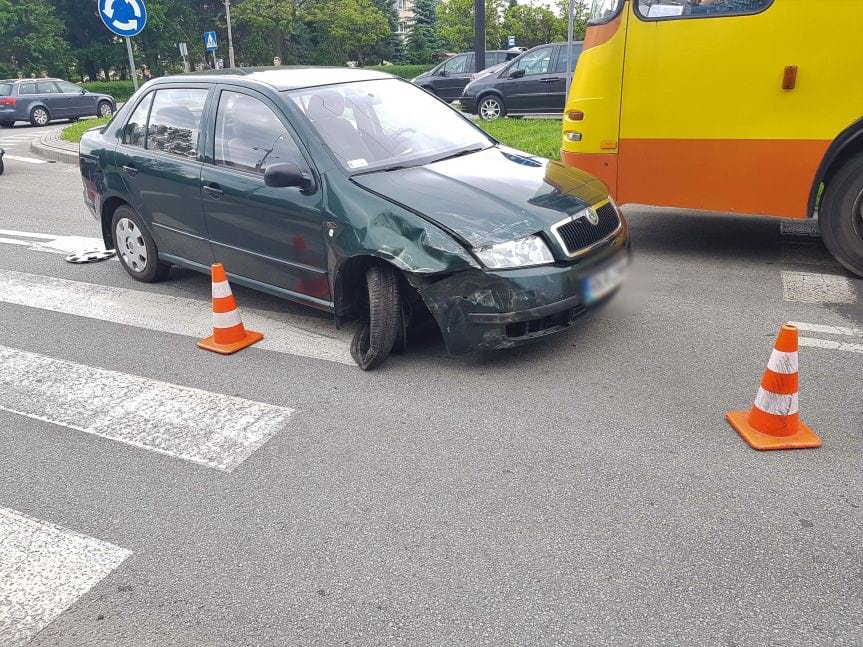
(743, 106)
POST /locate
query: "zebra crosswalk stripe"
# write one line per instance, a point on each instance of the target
(44, 569)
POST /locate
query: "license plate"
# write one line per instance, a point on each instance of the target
(603, 282)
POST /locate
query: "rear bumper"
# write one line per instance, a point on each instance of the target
(10, 113)
(486, 310)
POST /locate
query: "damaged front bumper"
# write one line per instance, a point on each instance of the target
(484, 310)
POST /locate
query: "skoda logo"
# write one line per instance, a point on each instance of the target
(591, 217)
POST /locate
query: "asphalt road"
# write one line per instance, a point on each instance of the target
(583, 491)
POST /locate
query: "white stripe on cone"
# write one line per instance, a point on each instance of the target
(783, 362)
(226, 319)
(778, 405)
(221, 289)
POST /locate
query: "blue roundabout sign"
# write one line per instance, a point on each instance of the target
(123, 17)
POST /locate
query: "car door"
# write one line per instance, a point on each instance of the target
(528, 81)
(273, 236)
(77, 103)
(556, 97)
(452, 77)
(53, 99)
(159, 159)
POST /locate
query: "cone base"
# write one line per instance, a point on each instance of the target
(251, 337)
(805, 438)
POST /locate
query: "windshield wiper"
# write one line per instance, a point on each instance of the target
(384, 169)
(464, 151)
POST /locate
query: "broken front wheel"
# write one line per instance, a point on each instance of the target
(377, 334)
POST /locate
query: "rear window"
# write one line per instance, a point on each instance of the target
(5, 89)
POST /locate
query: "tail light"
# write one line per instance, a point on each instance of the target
(8, 101)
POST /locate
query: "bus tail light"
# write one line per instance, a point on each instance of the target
(8, 101)
(572, 136)
(575, 115)
(789, 80)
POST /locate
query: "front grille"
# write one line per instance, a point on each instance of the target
(578, 234)
(544, 325)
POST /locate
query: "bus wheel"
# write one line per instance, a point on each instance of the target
(841, 215)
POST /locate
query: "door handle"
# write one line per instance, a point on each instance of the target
(130, 169)
(214, 191)
(548, 79)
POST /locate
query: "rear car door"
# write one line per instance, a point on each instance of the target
(528, 93)
(53, 99)
(557, 90)
(270, 235)
(159, 159)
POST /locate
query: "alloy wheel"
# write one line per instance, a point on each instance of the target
(489, 109)
(40, 116)
(130, 245)
(105, 110)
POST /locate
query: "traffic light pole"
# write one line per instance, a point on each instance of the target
(479, 34)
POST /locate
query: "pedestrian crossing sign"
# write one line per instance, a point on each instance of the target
(210, 41)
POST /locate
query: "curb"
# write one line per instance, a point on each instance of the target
(51, 147)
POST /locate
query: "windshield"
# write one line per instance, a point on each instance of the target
(378, 124)
(5, 89)
(603, 10)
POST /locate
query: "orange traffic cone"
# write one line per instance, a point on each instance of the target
(229, 334)
(774, 421)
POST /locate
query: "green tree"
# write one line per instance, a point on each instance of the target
(277, 20)
(455, 24)
(342, 30)
(422, 43)
(533, 25)
(32, 39)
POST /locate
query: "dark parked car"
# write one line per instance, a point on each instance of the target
(447, 79)
(42, 100)
(316, 185)
(535, 82)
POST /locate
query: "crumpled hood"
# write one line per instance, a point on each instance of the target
(491, 196)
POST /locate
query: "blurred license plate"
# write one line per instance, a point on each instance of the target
(603, 282)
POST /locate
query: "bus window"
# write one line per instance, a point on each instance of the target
(699, 8)
(603, 10)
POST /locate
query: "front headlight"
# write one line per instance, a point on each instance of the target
(523, 252)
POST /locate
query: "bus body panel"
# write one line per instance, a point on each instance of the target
(704, 121)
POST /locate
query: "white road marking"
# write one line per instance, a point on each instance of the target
(44, 569)
(831, 344)
(29, 160)
(808, 287)
(50, 242)
(179, 315)
(828, 330)
(210, 429)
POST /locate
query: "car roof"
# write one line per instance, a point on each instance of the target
(282, 78)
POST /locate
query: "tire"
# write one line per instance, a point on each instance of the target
(841, 215)
(2, 166)
(39, 116)
(6, 124)
(377, 334)
(104, 109)
(490, 107)
(135, 247)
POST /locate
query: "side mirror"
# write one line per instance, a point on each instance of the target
(517, 74)
(288, 174)
(83, 91)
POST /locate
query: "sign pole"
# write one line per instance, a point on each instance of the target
(132, 63)
(230, 35)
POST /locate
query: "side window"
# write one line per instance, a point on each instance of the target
(696, 8)
(456, 65)
(560, 64)
(175, 121)
(249, 136)
(535, 62)
(27, 88)
(46, 87)
(134, 134)
(69, 88)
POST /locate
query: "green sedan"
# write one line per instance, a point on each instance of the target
(356, 193)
